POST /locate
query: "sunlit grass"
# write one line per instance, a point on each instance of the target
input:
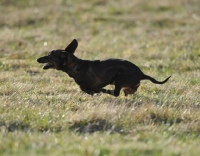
(45, 113)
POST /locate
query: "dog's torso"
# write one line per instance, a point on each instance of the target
(94, 75)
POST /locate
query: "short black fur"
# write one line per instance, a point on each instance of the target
(92, 76)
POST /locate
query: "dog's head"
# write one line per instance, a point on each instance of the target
(56, 59)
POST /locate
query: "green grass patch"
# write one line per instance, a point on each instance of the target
(45, 113)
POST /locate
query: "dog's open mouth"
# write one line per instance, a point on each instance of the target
(48, 65)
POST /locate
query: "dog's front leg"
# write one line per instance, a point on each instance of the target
(111, 92)
(86, 90)
(114, 92)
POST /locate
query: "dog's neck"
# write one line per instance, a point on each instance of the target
(72, 68)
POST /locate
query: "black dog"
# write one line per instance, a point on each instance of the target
(92, 76)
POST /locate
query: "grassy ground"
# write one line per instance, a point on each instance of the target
(45, 113)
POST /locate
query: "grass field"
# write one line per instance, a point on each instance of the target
(45, 113)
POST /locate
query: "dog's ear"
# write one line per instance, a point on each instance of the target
(72, 46)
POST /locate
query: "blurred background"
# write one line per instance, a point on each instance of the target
(41, 111)
(124, 29)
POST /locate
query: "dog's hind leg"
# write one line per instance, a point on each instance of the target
(130, 90)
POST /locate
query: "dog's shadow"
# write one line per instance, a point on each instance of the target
(123, 100)
(96, 125)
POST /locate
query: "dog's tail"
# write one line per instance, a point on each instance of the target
(146, 77)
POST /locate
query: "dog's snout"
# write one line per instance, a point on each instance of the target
(38, 60)
(43, 59)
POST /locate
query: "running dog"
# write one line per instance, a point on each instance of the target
(93, 75)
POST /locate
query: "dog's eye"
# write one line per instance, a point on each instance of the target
(50, 53)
